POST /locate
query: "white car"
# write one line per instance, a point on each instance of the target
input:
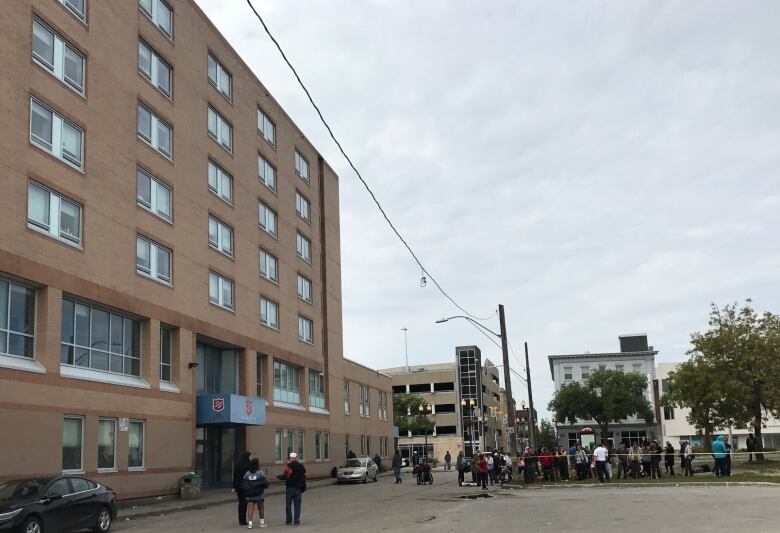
(360, 469)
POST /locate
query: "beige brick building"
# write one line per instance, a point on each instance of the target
(170, 278)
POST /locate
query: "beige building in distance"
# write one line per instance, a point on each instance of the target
(170, 277)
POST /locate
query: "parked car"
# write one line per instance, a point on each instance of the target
(55, 504)
(360, 469)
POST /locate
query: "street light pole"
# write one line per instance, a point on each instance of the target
(406, 348)
(425, 411)
(507, 379)
(531, 420)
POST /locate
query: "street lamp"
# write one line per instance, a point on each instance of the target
(471, 404)
(425, 410)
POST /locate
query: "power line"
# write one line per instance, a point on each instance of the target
(360, 177)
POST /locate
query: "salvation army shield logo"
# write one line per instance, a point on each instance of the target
(218, 405)
(248, 407)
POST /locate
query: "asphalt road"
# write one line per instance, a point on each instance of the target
(387, 507)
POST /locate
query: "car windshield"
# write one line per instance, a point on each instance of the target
(353, 463)
(21, 488)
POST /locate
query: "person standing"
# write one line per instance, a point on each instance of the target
(655, 460)
(719, 453)
(295, 483)
(669, 458)
(635, 459)
(563, 464)
(254, 485)
(460, 464)
(483, 471)
(397, 462)
(750, 443)
(378, 462)
(239, 469)
(600, 456)
(581, 460)
(622, 458)
(688, 458)
(447, 461)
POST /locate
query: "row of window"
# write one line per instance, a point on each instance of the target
(444, 386)
(365, 445)
(73, 444)
(568, 371)
(365, 401)
(290, 440)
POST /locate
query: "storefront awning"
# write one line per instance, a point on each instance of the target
(229, 409)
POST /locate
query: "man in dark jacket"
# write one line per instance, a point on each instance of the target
(397, 463)
(750, 443)
(295, 482)
(378, 462)
(351, 455)
(239, 469)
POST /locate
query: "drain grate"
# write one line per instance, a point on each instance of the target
(476, 496)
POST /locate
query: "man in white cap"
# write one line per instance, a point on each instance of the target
(295, 480)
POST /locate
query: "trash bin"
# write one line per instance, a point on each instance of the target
(189, 486)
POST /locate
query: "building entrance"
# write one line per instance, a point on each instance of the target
(216, 451)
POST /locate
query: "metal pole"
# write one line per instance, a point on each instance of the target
(507, 378)
(531, 421)
(406, 348)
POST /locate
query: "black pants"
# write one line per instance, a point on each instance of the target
(688, 466)
(460, 476)
(484, 476)
(241, 507)
(601, 470)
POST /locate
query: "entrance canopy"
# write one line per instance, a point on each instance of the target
(229, 409)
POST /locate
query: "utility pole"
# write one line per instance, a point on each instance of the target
(531, 420)
(507, 380)
(406, 349)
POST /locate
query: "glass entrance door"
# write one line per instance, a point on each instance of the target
(216, 452)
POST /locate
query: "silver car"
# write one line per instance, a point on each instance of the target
(360, 469)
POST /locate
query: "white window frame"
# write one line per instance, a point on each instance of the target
(220, 74)
(264, 125)
(153, 271)
(154, 206)
(58, 122)
(220, 176)
(221, 282)
(55, 213)
(584, 372)
(169, 364)
(5, 328)
(305, 325)
(285, 394)
(346, 397)
(304, 289)
(318, 446)
(301, 434)
(112, 468)
(154, 15)
(153, 77)
(74, 11)
(326, 449)
(154, 138)
(264, 168)
(271, 273)
(81, 462)
(59, 45)
(267, 304)
(303, 247)
(316, 399)
(303, 207)
(302, 167)
(142, 467)
(568, 371)
(278, 438)
(268, 219)
(220, 244)
(222, 132)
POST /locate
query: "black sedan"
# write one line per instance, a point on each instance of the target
(48, 505)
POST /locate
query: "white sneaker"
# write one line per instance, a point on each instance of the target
(249, 526)
(262, 523)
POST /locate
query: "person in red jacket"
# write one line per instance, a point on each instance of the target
(483, 471)
(547, 461)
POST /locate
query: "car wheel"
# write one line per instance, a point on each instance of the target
(376, 477)
(33, 525)
(102, 521)
(365, 477)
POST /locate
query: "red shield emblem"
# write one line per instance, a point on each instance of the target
(248, 406)
(218, 405)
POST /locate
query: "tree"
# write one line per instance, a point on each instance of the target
(548, 437)
(606, 396)
(743, 349)
(407, 416)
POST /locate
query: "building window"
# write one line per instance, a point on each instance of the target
(637, 367)
(301, 166)
(160, 14)
(220, 236)
(135, 445)
(326, 447)
(52, 214)
(57, 56)
(305, 330)
(318, 446)
(668, 413)
(100, 340)
(304, 248)
(619, 368)
(290, 442)
(267, 218)
(220, 182)
(304, 288)
(346, 397)
(278, 445)
(220, 129)
(301, 445)
(17, 319)
(286, 383)
(220, 78)
(567, 373)
(77, 7)
(266, 172)
(107, 444)
(269, 266)
(266, 127)
(166, 350)
(269, 313)
(73, 444)
(585, 370)
(316, 389)
(154, 131)
(154, 68)
(152, 260)
(220, 290)
(260, 362)
(56, 135)
(152, 194)
(302, 207)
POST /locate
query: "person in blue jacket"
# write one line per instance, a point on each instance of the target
(719, 453)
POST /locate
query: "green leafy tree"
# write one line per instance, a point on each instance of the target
(606, 396)
(407, 415)
(548, 436)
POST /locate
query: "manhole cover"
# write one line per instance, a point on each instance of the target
(475, 496)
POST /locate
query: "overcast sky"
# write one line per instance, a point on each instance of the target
(598, 168)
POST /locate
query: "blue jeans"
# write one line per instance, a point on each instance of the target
(397, 472)
(293, 498)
